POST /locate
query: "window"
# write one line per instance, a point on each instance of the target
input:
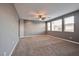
(57, 25)
(69, 24)
(48, 26)
(53, 28)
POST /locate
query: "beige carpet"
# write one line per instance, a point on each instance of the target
(45, 45)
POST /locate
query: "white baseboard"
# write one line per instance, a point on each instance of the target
(66, 40)
(32, 35)
(13, 48)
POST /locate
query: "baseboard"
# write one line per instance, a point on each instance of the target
(66, 40)
(13, 48)
(33, 35)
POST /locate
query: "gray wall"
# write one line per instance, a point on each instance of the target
(21, 28)
(33, 28)
(74, 36)
(8, 28)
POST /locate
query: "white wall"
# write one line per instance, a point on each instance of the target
(8, 28)
(21, 28)
(33, 28)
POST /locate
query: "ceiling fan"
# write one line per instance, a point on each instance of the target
(41, 15)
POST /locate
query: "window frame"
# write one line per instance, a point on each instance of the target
(55, 24)
(69, 23)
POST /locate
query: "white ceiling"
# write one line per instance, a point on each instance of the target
(52, 9)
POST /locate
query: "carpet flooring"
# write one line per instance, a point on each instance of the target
(45, 45)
